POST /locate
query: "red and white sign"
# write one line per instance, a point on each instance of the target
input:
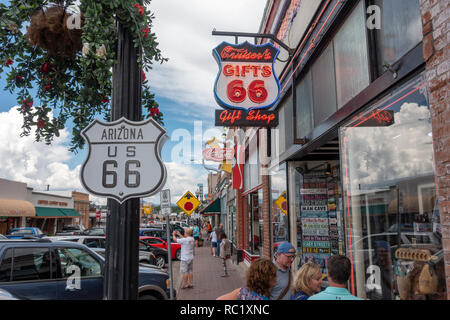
(246, 78)
(98, 214)
(218, 154)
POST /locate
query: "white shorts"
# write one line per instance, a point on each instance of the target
(187, 266)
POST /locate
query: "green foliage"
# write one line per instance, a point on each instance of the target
(77, 87)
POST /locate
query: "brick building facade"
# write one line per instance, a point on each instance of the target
(436, 52)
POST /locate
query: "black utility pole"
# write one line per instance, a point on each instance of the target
(122, 228)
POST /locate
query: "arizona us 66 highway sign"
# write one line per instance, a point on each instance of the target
(124, 159)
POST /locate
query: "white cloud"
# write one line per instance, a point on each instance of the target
(34, 163)
(183, 30)
(182, 178)
(378, 154)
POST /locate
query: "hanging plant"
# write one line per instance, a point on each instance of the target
(59, 58)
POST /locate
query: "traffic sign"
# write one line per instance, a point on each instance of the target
(188, 203)
(124, 159)
(165, 202)
(281, 202)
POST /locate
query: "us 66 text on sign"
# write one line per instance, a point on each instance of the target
(124, 159)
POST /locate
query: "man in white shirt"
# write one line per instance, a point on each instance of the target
(187, 256)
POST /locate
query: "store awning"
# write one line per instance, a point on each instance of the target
(70, 213)
(56, 212)
(212, 208)
(16, 208)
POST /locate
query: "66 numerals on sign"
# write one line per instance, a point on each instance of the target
(257, 91)
(132, 176)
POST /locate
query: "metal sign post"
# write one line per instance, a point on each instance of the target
(165, 208)
(120, 165)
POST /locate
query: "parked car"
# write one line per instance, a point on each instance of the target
(144, 257)
(89, 241)
(97, 231)
(19, 233)
(5, 295)
(160, 243)
(71, 230)
(161, 255)
(181, 224)
(41, 269)
(153, 232)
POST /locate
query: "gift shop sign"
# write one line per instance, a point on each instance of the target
(246, 78)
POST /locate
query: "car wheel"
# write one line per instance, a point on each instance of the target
(148, 297)
(178, 254)
(160, 261)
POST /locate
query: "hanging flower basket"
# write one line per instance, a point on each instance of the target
(58, 60)
(50, 29)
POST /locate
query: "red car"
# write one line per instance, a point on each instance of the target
(160, 243)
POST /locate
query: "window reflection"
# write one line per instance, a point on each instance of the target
(390, 199)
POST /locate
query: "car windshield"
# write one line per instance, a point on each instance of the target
(21, 232)
(96, 231)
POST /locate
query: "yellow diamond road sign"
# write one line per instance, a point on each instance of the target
(188, 203)
(281, 202)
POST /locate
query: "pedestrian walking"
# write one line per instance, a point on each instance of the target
(187, 256)
(196, 235)
(261, 277)
(307, 281)
(225, 252)
(284, 258)
(338, 269)
(218, 232)
(213, 238)
(208, 228)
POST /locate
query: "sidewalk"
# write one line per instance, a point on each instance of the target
(208, 284)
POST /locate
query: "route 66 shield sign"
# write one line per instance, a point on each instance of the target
(246, 78)
(124, 159)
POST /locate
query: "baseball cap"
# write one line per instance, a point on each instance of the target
(284, 247)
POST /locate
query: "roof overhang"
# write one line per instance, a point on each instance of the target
(16, 208)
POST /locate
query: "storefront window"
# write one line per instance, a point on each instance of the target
(304, 106)
(401, 30)
(256, 225)
(279, 211)
(391, 210)
(350, 54)
(324, 86)
(319, 216)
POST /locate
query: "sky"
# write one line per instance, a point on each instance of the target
(183, 87)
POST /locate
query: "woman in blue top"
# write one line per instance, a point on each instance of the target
(196, 235)
(307, 281)
(261, 278)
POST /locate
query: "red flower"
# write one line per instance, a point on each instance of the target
(141, 9)
(45, 68)
(27, 104)
(9, 62)
(144, 77)
(18, 78)
(47, 87)
(154, 111)
(41, 123)
(145, 31)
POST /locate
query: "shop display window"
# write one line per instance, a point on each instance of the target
(318, 212)
(256, 223)
(279, 210)
(391, 211)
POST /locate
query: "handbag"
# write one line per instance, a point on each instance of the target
(285, 289)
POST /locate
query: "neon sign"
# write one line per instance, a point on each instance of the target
(375, 118)
(246, 78)
(218, 154)
(240, 118)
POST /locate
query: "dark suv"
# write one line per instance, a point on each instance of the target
(44, 269)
